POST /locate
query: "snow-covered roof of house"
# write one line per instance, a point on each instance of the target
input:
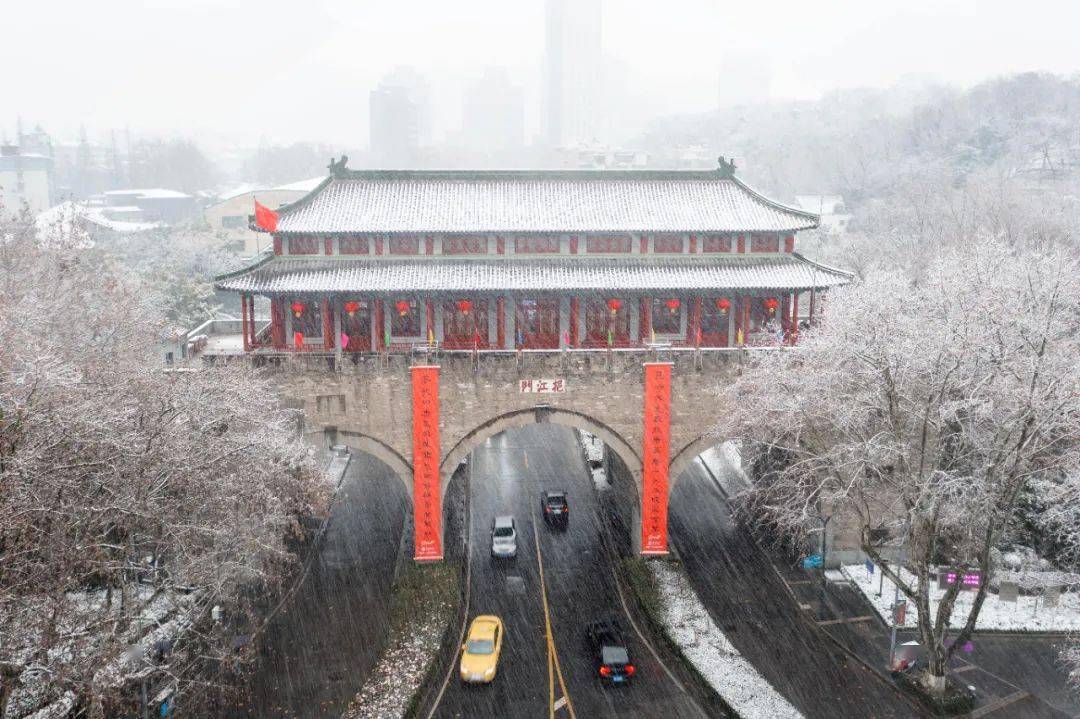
(67, 213)
(280, 275)
(821, 204)
(156, 193)
(393, 201)
(303, 185)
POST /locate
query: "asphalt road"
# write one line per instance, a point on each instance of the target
(507, 477)
(319, 648)
(748, 601)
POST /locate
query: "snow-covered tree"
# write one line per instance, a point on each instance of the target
(922, 410)
(134, 499)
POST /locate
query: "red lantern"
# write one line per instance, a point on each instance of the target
(672, 305)
(297, 308)
(614, 305)
(723, 304)
(464, 306)
(771, 304)
(402, 307)
(351, 307)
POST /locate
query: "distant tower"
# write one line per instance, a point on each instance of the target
(493, 113)
(400, 118)
(572, 63)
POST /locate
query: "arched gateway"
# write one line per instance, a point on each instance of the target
(415, 314)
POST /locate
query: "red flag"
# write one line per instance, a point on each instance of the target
(265, 217)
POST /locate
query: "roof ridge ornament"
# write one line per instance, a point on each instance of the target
(726, 167)
(337, 169)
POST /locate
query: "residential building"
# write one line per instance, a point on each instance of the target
(400, 118)
(26, 179)
(572, 70)
(229, 215)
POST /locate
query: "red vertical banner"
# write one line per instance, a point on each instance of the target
(656, 451)
(427, 504)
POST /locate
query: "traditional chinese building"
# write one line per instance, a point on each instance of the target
(383, 261)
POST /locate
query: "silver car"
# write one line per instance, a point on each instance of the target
(503, 538)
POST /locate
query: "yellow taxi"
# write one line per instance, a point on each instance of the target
(480, 652)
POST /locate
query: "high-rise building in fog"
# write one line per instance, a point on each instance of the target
(745, 78)
(493, 113)
(400, 122)
(572, 67)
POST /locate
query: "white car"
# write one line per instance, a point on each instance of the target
(503, 538)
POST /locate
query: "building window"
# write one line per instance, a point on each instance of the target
(715, 314)
(308, 322)
(353, 246)
(405, 318)
(537, 323)
(607, 320)
(716, 243)
(465, 245)
(531, 245)
(404, 245)
(666, 315)
(465, 323)
(234, 222)
(608, 244)
(764, 243)
(667, 243)
(304, 245)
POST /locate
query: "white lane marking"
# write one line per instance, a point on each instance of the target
(468, 592)
(560, 703)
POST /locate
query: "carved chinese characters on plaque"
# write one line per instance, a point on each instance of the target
(654, 503)
(427, 518)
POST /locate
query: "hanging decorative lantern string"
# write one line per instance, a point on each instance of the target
(351, 307)
(723, 304)
(297, 308)
(771, 304)
(614, 305)
(465, 306)
(402, 307)
(672, 305)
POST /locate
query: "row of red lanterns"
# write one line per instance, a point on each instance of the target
(614, 304)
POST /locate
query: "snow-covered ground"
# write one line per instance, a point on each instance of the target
(689, 625)
(1027, 614)
(396, 678)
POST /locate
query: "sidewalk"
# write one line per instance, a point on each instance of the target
(1036, 687)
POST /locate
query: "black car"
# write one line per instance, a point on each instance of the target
(555, 508)
(609, 651)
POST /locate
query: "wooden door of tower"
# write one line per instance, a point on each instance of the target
(537, 323)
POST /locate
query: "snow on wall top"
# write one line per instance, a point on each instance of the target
(537, 201)
(281, 275)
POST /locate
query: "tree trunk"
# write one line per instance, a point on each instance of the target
(934, 680)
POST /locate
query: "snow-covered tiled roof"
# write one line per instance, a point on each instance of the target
(274, 275)
(537, 201)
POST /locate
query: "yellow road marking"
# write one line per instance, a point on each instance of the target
(553, 656)
(526, 453)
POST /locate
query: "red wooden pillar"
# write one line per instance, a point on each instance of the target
(429, 311)
(785, 316)
(327, 325)
(574, 305)
(244, 322)
(813, 292)
(328, 245)
(277, 322)
(645, 322)
(253, 331)
(380, 326)
(695, 325)
(794, 317)
(573, 244)
(500, 319)
(742, 244)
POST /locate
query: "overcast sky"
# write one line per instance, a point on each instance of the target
(283, 71)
